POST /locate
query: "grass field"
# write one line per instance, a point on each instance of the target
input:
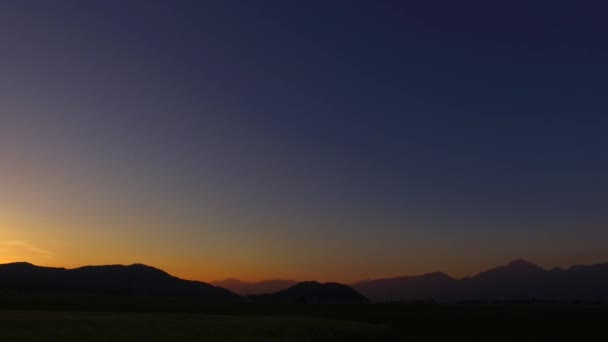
(51, 318)
(95, 326)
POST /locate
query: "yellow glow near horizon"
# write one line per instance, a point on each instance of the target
(126, 237)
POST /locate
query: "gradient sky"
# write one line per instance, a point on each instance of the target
(329, 140)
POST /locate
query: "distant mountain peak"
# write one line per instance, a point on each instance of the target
(20, 263)
(517, 267)
(234, 280)
(519, 262)
(437, 275)
(144, 267)
(308, 282)
(522, 264)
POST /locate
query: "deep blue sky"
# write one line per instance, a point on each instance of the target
(295, 139)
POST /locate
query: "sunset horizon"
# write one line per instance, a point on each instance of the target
(303, 171)
(185, 276)
(311, 141)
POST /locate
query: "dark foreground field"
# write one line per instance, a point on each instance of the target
(45, 318)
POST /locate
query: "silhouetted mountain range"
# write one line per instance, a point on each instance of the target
(436, 286)
(261, 287)
(112, 279)
(519, 280)
(314, 292)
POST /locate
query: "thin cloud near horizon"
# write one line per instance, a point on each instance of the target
(27, 246)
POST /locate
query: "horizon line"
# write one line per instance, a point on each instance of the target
(519, 260)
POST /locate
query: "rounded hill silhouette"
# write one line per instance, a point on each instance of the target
(314, 292)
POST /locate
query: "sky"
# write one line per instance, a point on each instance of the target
(328, 140)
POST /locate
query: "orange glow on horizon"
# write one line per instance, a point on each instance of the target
(46, 242)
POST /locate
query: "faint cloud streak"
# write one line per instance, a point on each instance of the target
(28, 247)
